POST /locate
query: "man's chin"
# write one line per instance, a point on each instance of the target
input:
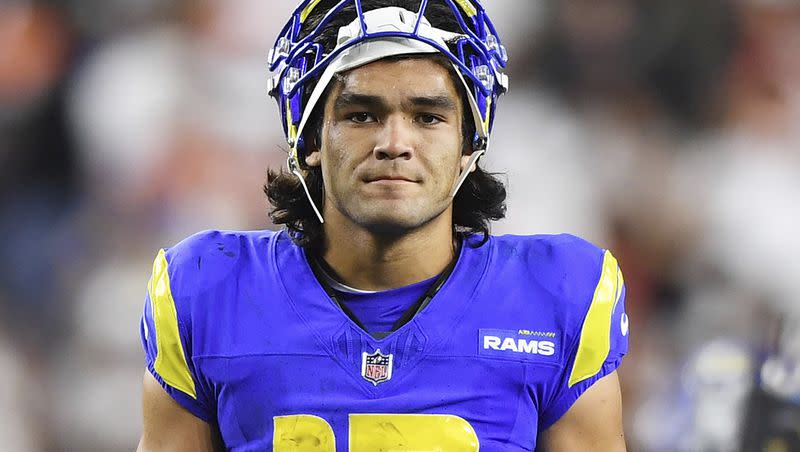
(391, 226)
(392, 217)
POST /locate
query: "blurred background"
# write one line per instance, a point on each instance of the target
(665, 130)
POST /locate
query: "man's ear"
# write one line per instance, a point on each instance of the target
(465, 161)
(314, 158)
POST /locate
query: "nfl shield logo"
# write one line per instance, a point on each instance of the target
(377, 367)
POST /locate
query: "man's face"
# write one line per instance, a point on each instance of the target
(391, 145)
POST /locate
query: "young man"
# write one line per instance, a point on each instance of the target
(385, 317)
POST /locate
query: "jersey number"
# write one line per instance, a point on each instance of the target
(371, 432)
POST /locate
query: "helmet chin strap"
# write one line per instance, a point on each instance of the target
(468, 169)
(291, 163)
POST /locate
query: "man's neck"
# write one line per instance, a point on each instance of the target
(369, 261)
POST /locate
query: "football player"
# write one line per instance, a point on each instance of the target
(384, 316)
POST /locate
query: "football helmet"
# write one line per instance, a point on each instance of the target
(299, 62)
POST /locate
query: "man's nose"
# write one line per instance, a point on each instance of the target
(395, 140)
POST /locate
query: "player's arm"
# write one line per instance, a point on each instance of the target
(586, 412)
(594, 422)
(177, 412)
(168, 427)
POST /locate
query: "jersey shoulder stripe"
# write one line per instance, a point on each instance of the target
(185, 297)
(573, 289)
(170, 362)
(595, 338)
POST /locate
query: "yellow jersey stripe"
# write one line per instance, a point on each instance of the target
(595, 340)
(305, 13)
(170, 358)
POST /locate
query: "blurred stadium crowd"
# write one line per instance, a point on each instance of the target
(665, 130)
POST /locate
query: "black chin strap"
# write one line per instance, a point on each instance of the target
(321, 269)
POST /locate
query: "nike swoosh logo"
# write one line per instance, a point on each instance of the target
(623, 324)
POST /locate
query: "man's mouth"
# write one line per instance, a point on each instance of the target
(390, 179)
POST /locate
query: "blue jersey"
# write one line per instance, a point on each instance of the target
(238, 331)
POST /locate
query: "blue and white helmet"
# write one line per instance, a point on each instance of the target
(297, 60)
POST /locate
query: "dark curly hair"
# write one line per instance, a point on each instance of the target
(479, 201)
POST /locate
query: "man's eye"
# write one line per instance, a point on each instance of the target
(362, 118)
(428, 120)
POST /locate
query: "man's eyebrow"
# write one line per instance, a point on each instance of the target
(439, 102)
(345, 100)
(435, 102)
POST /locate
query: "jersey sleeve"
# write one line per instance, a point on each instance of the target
(166, 332)
(600, 344)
